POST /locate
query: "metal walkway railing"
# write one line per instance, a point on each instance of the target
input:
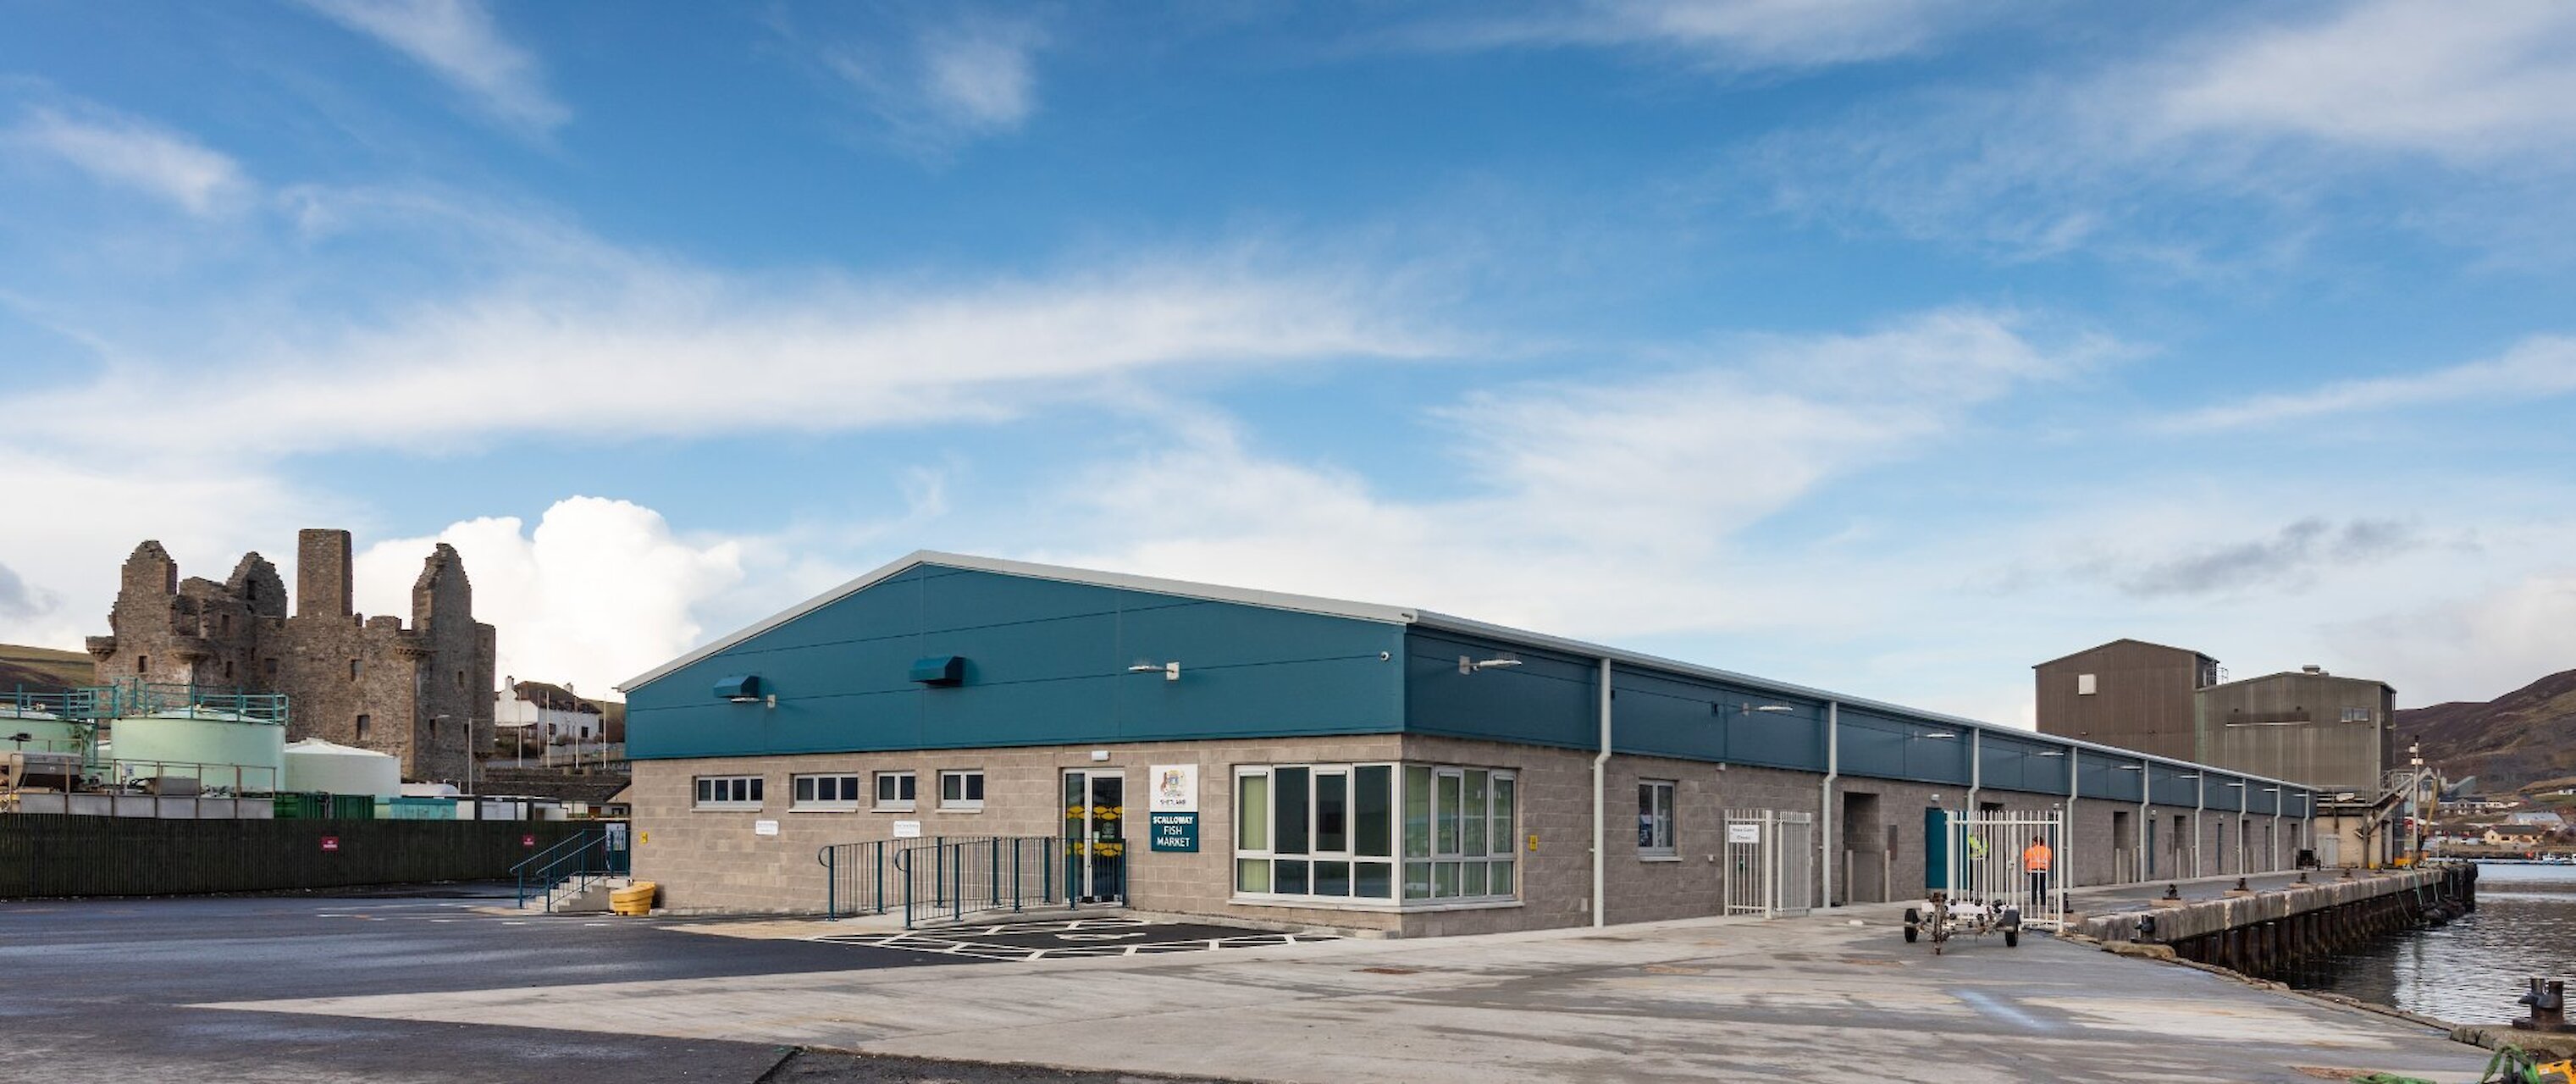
(574, 863)
(949, 878)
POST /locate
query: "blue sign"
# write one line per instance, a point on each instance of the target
(1174, 831)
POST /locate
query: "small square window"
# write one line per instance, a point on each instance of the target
(2085, 685)
(895, 790)
(961, 790)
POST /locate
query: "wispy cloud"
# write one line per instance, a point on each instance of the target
(1609, 506)
(1719, 34)
(2538, 367)
(2394, 74)
(2291, 555)
(135, 154)
(459, 43)
(939, 86)
(2218, 150)
(20, 601)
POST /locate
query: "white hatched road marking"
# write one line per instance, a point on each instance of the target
(961, 941)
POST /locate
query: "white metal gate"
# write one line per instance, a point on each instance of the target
(1992, 861)
(1770, 862)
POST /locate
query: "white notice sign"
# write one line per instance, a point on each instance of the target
(907, 829)
(764, 828)
(1744, 833)
(1175, 788)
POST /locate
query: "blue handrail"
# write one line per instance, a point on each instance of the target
(566, 864)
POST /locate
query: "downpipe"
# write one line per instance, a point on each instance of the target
(1600, 804)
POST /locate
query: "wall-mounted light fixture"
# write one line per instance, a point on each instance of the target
(2052, 752)
(1171, 671)
(1937, 734)
(2238, 783)
(1764, 709)
(2188, 775)
(1469, 664)
(2271, 790)
(2133, 767)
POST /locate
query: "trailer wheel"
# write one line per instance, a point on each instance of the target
(1913, 919)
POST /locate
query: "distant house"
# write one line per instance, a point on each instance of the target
(548, 714)
(2538, 818)
(2513, 835)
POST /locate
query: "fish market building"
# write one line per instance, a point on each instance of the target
(1347, 764)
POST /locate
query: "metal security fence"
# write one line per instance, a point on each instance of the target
(2014, 858)
(50, 854)
(1770, 862)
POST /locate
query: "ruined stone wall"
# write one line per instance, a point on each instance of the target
(422, 694)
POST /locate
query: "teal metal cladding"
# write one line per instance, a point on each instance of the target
(1044, 662)
(941, 657)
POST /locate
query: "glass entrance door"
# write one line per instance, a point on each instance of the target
(1095, 815)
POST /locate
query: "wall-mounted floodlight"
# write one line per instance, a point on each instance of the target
(2052, 752)
(1171, 671)
(1936, 735)
(1469, 664)
(2133, 767)
(2188, 775)
(1764, 709)
(2238, 783)
(2271, 790)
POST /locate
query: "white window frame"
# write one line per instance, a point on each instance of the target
(905, 780)
(1501, 844)
(824, 792)
(2086, 685)
(719, 792)
(1658, 799)
(962, 803)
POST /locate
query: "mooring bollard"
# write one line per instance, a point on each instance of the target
(2548, 1001)
(2173, 892)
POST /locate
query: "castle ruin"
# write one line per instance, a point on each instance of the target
(423, 694)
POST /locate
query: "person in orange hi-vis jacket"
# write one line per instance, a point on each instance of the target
(2034, 861)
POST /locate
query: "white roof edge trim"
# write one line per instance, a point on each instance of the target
(1275, 600)
(1431, 620)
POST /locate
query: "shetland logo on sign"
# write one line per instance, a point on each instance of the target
(330, 844)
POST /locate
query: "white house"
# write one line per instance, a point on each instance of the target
(547, 714)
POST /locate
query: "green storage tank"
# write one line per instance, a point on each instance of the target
(225, 752)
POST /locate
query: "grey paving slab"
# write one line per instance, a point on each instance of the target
(1808, 1000)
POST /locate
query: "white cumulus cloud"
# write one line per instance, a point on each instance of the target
(598, 591)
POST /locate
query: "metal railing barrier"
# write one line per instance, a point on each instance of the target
(574, 863)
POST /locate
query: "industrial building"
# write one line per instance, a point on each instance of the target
(2336, 734)
(1350, 764)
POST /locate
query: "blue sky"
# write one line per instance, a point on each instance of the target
(1890, 347)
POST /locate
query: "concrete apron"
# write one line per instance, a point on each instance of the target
(1835, 997)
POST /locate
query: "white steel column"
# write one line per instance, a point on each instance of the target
(1825, 853)
(2199, 802)
(2074, 781)
(1600, 800)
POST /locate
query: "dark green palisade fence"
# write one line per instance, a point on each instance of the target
(58, 855)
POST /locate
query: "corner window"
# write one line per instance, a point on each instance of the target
(895, 791)
(826, 793)
(962, 791)
(728, 792)
(1655, 818)
(1373, 833)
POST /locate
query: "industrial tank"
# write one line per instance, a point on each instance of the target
(314, 765)
(38, 731)
(223, 750)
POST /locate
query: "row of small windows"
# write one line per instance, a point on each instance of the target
(894, 792)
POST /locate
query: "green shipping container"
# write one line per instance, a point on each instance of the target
(353, 807)
(303, 806)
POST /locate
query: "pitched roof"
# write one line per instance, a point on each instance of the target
(1384, 614)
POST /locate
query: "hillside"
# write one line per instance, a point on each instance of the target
(43, 669)
(2518, 738)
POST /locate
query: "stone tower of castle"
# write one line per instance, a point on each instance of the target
(423, 693)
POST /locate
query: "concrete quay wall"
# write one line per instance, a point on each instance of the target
(2259, 932)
